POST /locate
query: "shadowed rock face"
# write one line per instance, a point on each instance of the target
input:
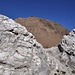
(47, 32)
(21, 54)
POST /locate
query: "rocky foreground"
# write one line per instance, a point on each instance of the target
(21, 54)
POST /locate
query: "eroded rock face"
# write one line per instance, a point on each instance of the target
(18, 49)
(68, 46)
(21, 54)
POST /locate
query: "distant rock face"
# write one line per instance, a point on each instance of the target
(21, 54)
(47, 32)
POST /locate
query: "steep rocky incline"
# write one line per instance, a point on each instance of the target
(21, 54)
(47, 32)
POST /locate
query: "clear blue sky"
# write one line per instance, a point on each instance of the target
(61, 11)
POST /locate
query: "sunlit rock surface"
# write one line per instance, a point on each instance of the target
(68, 46)
(21, 54)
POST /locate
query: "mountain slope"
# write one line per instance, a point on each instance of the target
(47, 32)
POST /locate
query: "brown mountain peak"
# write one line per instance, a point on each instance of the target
(47, 32)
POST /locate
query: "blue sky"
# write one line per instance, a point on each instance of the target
(61, 11)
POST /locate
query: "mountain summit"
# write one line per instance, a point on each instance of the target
(47, 32)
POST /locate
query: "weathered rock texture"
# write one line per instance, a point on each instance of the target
(47, 32)
(21, 54)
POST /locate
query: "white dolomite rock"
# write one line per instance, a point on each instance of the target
(21, 54)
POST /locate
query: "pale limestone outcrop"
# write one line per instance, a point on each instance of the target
(68, 46)
(21, 54)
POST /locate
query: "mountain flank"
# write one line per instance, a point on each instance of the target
(47, 32)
